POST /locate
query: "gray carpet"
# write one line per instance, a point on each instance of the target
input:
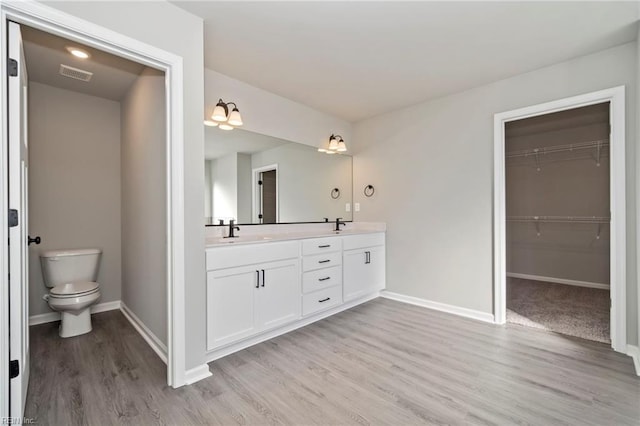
(575, 311)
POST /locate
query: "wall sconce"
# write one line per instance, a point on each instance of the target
(336, 144)
(224, 119)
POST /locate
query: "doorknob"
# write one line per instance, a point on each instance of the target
(36, 240)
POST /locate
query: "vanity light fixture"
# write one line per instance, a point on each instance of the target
(336, 144)
(223, 118)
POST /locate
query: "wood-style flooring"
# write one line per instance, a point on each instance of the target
(382, 363)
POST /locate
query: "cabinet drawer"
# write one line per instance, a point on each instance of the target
(321, 245)
(309, 263)
(321, 300)
(229, 257)
(351, 242)
(321, 278)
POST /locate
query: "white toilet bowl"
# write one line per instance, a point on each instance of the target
(70, 276)
(73, 301)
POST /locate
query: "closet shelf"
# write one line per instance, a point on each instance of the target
(560, 219)
(598, 144)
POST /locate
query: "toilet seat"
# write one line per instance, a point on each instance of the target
(74, 289)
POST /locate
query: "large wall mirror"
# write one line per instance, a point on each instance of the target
(257, 179)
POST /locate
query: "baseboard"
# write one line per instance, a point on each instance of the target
(559, 280)
(156, 344)
(443, 307)
(634, 352)
(196, 374)
(55, 316)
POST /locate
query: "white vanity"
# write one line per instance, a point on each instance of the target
(261, 286)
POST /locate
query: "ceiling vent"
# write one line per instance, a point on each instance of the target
(75, 73)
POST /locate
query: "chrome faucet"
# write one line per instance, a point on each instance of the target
(338, 223)
(231, 229)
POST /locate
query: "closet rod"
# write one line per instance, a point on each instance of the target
(559, 148)
(560, 219)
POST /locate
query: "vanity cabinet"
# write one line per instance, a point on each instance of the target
(246, 300)
(256, 291)
(363, 265)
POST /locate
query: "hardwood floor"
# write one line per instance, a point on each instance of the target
(381, 363)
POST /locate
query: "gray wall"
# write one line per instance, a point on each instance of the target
(567, 184)
(305, 181)
(74, 183)
(144, 243)
(170, 28)
(432, 166)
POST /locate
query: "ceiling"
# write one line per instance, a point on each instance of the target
(359, 59)
(44, 53)
(218, 143)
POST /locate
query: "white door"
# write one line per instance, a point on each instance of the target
(18, 234)
(278, 299)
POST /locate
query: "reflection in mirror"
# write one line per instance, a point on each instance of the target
(253, 179)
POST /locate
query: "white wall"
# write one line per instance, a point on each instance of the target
(170, 28)
(144, 241)
(74, 183)
(432, 167)
(244, 188)
(272, 115)
(224, 174)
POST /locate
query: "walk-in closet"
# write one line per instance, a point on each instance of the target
(557, 205)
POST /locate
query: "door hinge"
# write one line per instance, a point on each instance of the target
(12, 68)
(260, 216)
(259, 182)
(13, 218)
(14, 369)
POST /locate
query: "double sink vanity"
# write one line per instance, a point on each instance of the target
(271, 281)
(282, 250)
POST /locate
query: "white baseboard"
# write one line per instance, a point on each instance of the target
(156, 344)
(196, 374)
(559, 280)
(443, 307)
(634, 352)
(55, 316)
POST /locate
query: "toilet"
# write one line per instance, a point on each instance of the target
(71, 277)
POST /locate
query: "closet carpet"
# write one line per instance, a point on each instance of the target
(575, 311)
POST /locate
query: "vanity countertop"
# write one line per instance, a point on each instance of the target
(290, 233)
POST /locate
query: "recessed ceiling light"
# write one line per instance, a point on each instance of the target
(78, 53)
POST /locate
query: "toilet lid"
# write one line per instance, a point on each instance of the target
(74, 289)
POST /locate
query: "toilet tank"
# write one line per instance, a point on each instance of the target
(65, 266)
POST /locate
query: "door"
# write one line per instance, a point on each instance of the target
(278, 300)
(230, 305)
(364, 272)
(18, 227)
(268, 196)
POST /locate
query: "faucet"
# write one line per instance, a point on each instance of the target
(338, 223)
(231, 229)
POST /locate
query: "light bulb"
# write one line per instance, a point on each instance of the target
(78, 53)
(225, 126)
(342, 147)
(333, 144)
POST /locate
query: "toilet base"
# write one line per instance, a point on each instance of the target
(75, 323)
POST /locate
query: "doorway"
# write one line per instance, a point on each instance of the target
(265, 206)
(533, 223)
(557, 205)
(51, 21)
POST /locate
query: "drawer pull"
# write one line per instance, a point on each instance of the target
(324, 300)
(325, 246)
(324, 279)
(324, 261)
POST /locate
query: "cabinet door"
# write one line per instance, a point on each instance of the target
(278, 300)
(230, 305)
(364, 272)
